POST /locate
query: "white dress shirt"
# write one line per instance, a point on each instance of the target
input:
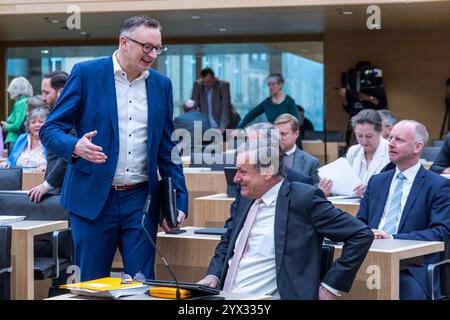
(132, 110)
(410, 175)
(256, 273)
(288, 153)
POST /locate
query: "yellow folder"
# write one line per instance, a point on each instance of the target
(102, 284)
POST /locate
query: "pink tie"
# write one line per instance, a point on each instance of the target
(240, 247)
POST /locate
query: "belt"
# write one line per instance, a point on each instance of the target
(129, 186)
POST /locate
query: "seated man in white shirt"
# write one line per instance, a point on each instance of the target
(273, 245)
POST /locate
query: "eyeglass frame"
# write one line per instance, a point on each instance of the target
(162, 49)
(127, 279)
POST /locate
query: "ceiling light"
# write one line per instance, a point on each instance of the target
(45, 51)
(222, 29)
(55, 21)
(195, 17)
(344, 12)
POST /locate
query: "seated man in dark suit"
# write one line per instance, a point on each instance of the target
(408, 203)
(294, 158)
(274, 243)
(442, 162)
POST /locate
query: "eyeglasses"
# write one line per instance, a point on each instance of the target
(147, 48)
(272, 83)
(127, 279)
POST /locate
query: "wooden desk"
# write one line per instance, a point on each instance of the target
(32, 179)
(348, 205)
(317, 149)
(385, 256)
(212, 211)
(188, 254)
(22, 254)
(201, 184)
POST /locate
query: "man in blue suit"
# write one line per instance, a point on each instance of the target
(122, 112)
(408, 203)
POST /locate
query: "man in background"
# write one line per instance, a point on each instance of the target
(212, 96)
(51, 87)
(388, 121)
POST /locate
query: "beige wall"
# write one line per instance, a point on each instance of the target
(415, 66)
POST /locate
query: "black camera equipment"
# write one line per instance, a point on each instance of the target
(364, 78)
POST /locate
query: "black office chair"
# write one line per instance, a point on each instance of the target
(332, 136)
(430, 153)
(5, 262)
(444, 274)
(53, 252)
(11, 179)
(437, 143)
(50, 267)
(327, 258)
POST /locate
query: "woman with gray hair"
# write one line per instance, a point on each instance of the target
(277, 104)
(370, 155)
(20, 90)
(28, 152)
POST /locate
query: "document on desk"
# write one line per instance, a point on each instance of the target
(344, 178)
(107, 288)
(6, 220)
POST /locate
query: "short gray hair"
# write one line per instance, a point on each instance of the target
(41, 113)
(388, 117)
(20, 87)
(263, 154)
(34, 103)
(369, 116)
(132, 23)
(420, 131)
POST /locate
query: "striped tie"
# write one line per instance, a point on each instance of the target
(390, 224)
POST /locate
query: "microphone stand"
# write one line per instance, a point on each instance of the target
(146, 209)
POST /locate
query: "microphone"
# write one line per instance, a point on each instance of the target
(146, 210)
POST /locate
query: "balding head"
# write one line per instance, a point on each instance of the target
(407, 140)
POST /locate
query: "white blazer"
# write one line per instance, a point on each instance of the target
(355, 155)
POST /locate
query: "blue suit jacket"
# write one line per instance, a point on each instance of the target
(88, 102)
(425, 217)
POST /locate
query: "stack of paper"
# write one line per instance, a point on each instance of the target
(344, 178)
(5, 220)
(107, 288)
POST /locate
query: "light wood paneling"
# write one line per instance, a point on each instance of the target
(32, 179)
(212, 211)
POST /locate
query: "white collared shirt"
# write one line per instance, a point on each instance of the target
(288, 153)
(132, 110)
(256, 273)
(410, 175)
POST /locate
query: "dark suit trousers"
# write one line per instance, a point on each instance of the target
(118, 225)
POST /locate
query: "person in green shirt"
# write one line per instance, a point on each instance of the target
(277, 104)
(20, 90)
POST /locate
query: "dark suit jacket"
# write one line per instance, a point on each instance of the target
(221, 101)
(425, 217)
(303, 217)
(88, 104)
(306, 164)
(442, 160)
(56, 168)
